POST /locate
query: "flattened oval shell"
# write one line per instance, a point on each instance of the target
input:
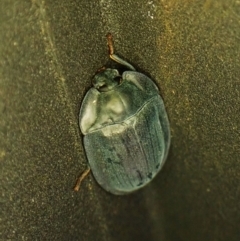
(126, 156)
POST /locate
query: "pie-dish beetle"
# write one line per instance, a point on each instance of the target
(125, 127)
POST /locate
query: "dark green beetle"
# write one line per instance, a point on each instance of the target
(125, 127)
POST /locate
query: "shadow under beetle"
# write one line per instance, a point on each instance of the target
(125, 127)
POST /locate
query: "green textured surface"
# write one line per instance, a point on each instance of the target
(48, 54)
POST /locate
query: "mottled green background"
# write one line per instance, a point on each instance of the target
(49, 51)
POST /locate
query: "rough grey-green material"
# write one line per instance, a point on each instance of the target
(126, 130)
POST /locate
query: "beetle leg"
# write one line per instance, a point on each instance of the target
(113, 56)
(80, 179)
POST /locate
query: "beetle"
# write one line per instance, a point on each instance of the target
(125, 127)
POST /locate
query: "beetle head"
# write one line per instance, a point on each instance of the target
(106, 79)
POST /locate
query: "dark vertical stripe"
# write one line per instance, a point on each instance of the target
(145, 141)
(152, 153)
(127, 143)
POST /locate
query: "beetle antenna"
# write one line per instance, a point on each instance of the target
(110, 44)
(113, 56)
(80, 179)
